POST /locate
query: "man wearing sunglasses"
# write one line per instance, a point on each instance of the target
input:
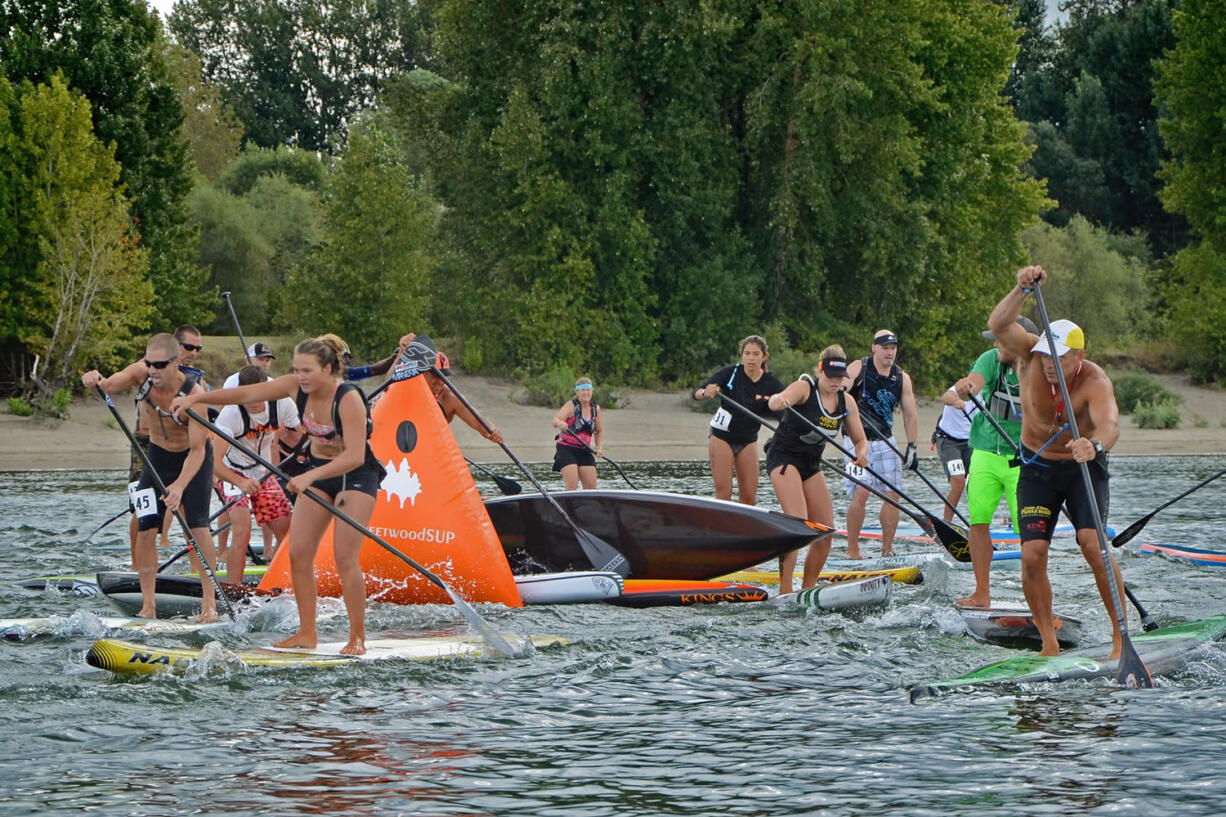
(181, 456)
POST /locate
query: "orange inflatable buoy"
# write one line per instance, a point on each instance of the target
(428, 508)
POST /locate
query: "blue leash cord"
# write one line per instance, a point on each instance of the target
(1034, 459)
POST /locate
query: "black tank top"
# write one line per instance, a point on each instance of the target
(877, 397)
(797, 436)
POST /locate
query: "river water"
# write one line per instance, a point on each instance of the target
(729, 709)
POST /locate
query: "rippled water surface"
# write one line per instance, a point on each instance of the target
(732, 709)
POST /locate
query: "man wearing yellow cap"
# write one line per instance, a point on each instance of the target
(1050, 474)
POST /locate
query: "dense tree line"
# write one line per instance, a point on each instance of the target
(622, 189)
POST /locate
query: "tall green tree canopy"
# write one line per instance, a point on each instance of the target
(112, 52)
(296, 71)
(632, 186)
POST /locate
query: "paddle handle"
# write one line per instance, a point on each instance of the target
(238, 329)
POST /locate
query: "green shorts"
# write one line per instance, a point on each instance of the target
(989, 478)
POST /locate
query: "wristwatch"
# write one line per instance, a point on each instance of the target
(1098, 446)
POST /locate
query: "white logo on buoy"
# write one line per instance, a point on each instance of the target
(401, 482)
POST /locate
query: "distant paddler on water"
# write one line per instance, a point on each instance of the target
(794, 454)
(579, 440)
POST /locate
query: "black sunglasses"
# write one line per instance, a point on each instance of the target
(191, 347)
(158, 364)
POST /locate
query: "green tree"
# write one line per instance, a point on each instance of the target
(1191, 90)
(299, 167)
(296, 72)
(368, 278)
(210, 125)
(89, 294)
(112, 51)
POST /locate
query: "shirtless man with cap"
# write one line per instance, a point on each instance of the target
(1051, 476)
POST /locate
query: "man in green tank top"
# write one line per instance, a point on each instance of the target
(994, 469)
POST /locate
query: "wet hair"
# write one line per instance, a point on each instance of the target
(165, 343)
(185, 330)
(249, 375)
(327, 349)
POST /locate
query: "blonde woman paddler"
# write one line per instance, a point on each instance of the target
(580, 432)
(794, 453)
(334, 415)
(733, 442)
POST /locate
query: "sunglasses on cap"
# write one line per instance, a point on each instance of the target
(191, 347)
(158, 364)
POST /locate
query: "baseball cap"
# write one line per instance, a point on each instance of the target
(260, 350)
(885, 339)
(1022, 321)
(834, 367)
(1067, 335)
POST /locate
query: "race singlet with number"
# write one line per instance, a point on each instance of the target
(721, 419)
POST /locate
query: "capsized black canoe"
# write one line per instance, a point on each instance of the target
(662, 535)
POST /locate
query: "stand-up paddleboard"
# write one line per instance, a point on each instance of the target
(1000, 536)
(842, 596)
(88, 585)
(25, 629)
(902, 575)
(569, 588)
(174, 595)
(1014, 627)
(1163, 651)
(1188, 555)
(676, 593)
(126, 658)
(662, 535)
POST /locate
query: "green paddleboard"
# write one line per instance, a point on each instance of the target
(1163, 651)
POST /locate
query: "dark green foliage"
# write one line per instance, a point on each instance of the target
(1137, 389)
(299, 167)
(296, 73)
(111, 51)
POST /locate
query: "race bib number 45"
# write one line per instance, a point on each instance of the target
(721, 419)
(145, 502)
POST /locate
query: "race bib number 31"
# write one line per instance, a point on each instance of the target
(721, 419)
(145, 502)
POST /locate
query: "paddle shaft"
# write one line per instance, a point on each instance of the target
(468, 612)
(951, 539)
(156, 479)
(234, 317)
(571, 432)
(885, 439)
(919, 520)
(596, 550)
(508, 486)
(1132, 670)
(107, 522)
(1132, 530)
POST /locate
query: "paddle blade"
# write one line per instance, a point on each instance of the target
(954, 538)
(1125, 536)
(508, 486)
(482, 626)
(417, 358)
(1132, 671)
(603, 556)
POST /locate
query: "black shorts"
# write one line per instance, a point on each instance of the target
(1045, 485)
(808, 463)
(195, 503)
(952, 451)
(571, 455)
(365, 479)
(737, 445)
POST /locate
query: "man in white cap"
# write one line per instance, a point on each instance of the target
(1050, 475)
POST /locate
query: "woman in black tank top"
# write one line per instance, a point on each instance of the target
(793, 457)
(733, 438)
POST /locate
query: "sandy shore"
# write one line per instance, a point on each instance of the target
(655, 426)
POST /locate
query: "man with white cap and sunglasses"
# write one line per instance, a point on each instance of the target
(1051, 475)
